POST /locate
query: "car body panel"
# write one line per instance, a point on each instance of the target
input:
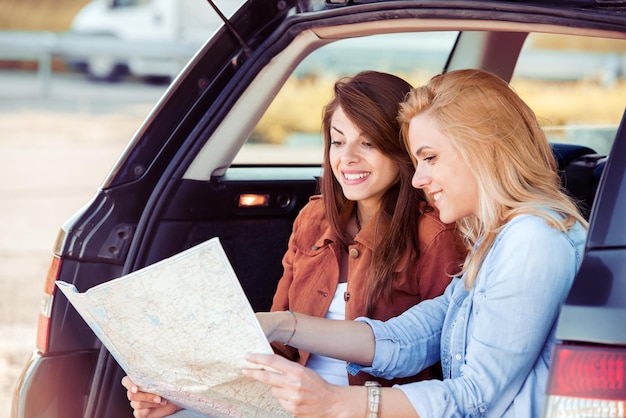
(596, 305)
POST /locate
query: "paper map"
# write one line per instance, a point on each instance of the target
(180, 328)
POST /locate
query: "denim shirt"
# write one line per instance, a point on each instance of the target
(494, 340)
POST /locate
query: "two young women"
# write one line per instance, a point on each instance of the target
(484, 162)
(370, 244)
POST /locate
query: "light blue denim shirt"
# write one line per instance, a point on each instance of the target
(494, 340)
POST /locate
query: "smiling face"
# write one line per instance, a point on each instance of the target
(362, 170)
(441, 172)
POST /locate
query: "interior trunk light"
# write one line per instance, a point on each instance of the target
(253, 200)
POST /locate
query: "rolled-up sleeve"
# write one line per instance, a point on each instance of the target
(408, 343)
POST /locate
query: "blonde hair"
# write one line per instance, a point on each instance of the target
(504, 147)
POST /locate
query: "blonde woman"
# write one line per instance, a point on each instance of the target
(484, 163)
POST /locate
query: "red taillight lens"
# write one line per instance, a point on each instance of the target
(588, 372)
(587, 381)
(43, 325)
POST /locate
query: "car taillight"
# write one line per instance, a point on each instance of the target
(43, 325)
(586, 381)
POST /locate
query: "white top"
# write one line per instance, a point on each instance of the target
(334, 371)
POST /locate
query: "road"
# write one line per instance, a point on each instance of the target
(55, 150)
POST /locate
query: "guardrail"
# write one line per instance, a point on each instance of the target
(42, 47)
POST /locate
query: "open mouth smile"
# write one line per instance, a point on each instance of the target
(356, 176)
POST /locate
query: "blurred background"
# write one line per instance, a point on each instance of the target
(78, 77)
(60, 133)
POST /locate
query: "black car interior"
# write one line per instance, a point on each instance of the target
(580, 169)
(255, 239)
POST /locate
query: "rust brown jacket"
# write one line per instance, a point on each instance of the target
(311, 274)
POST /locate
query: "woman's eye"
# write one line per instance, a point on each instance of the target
(335, 142)
(429, 158)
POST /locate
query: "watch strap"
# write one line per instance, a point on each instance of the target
(373, 399)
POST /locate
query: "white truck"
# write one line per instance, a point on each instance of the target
(145, 38)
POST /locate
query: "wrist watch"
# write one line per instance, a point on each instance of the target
(373, 398)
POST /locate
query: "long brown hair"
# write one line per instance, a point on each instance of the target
(371, 100)
(503, 145)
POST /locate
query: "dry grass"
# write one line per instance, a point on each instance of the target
(579, 43)
(574, 102)
(39, 15)
(298, 106)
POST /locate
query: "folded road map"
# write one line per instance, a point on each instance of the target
(181, 328)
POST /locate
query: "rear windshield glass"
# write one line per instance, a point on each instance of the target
(574, 84)
(289, 132)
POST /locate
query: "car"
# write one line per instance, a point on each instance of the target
(215, 138)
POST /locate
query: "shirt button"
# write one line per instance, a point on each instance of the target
(461, 318)
(354, 253)
(458, 357)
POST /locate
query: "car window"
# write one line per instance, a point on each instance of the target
(289, 131)
(575, 85)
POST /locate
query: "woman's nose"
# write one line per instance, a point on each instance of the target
(420, 178)
(350, 153)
